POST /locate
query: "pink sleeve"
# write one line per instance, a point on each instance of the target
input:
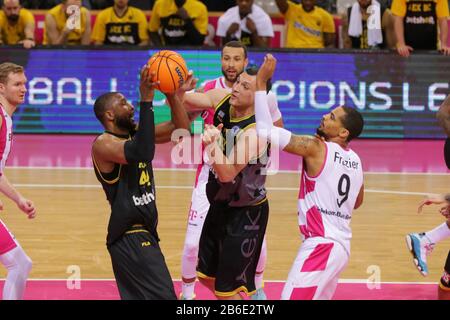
(209, 85)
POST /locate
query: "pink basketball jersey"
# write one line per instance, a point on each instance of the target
(5, 138)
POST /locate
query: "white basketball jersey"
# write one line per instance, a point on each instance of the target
(326, 201)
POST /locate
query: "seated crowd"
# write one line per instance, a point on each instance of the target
(403, 25)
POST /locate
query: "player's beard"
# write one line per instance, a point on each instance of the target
(320, 133)
(126, 123)
(233, 80)
(13, 18)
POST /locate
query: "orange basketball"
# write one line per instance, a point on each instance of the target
(170, 70)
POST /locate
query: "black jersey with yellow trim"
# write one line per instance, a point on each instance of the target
(248, 187)
(420, 24)
(130, 191)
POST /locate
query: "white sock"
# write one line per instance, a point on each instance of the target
(187, 290)
(258, 280)
(19, 266)
(439, 233)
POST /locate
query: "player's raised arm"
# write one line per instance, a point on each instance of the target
(197, 101)
(301, 145)
(141, 147)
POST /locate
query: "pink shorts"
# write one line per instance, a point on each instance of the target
(7, 242)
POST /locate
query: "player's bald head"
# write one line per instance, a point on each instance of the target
(103, 103)
(11, 3)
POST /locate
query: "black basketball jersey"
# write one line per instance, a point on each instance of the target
(130, 190)
(420, 24)
(248, 188)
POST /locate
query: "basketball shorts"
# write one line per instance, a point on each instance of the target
(230, 246)
(316, 269)
(7, 240)
(445, 279)
(139, 267)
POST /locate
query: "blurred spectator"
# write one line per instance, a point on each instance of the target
(308, 26)
(16, 24)
(327, 5)
(356, 33)
(59, 30)
(181, 22)
(416, 26)
(247, 23)
(121, 24)
(219, 5)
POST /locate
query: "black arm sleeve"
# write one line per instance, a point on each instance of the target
(194, 36)
(141, 148)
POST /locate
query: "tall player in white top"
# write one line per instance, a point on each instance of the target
(234, 61)
(12, 256)
(331, 186)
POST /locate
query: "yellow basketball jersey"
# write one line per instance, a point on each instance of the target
(60, 17)
(12, 34)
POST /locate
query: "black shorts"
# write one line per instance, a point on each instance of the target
(445, 280)
(447, 152)
(139, 267)
(230, 246)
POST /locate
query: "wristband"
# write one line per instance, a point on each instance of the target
(146, 104)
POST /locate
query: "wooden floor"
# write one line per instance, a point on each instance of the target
(70, 228)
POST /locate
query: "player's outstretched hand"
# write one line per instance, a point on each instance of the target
(27, 206)
(147, 84)
(189, 84)
(265, 72)
(445, 211)
(431, 199)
